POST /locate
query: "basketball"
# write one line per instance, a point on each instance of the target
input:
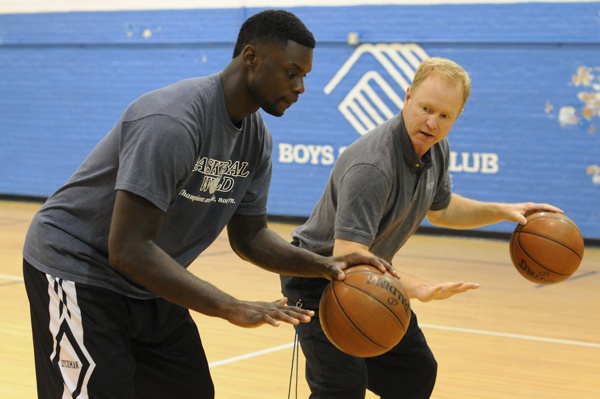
(366, 314)
(548, 249)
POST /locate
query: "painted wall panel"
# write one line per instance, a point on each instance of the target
(528, 132)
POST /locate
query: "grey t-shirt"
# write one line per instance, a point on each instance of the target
(175, 147)
(378, 194)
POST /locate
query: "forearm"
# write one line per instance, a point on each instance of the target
(271, 252)
(152, 268)
(133, 252)
(412, 284)
(409, 282)
(465, 213)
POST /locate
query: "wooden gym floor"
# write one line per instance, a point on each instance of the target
(508, 339)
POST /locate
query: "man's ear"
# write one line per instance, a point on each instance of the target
(249, 55)
(407, 96)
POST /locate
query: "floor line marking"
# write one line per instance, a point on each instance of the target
(12, 278)
(591, 273)
(250, 355)
(515, 336)
(432, 326)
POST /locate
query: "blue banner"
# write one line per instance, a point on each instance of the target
(528, 132)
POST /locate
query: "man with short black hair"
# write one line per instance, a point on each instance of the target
(105, 257)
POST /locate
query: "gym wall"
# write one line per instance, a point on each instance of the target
(528, 131)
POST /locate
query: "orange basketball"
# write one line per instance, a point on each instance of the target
(548, 249)
(366, 314)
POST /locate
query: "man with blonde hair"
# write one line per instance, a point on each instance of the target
(380, 190)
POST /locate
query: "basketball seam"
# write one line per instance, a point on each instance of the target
(521, 231)
(531, 257)
(560, 220)
(385, 305)
(352, 322)
(549, 239)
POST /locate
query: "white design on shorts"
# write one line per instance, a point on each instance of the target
(69, 355)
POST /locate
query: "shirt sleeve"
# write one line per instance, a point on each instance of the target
(441, 200)
(155, 153)
(361, 199)
(443, 194)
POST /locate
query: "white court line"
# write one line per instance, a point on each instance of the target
(464, 330)
(516, 336)
(214, 364)
(432, 326)
(250, 355)
(13, 278)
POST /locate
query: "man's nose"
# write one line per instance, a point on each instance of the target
(299, 85)
(432, 121)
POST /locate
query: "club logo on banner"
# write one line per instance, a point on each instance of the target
(376, 77)
(379, 94)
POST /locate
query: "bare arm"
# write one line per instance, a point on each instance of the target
(415, 287)
(465, 213)
(133, 252)
(253, 241)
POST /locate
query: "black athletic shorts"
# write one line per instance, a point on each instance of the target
(90, 342)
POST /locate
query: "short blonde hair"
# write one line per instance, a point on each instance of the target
(449, 70)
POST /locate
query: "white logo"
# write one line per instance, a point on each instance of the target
(383, 72)
(374, 98)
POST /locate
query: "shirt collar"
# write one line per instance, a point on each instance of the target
(415, 164)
